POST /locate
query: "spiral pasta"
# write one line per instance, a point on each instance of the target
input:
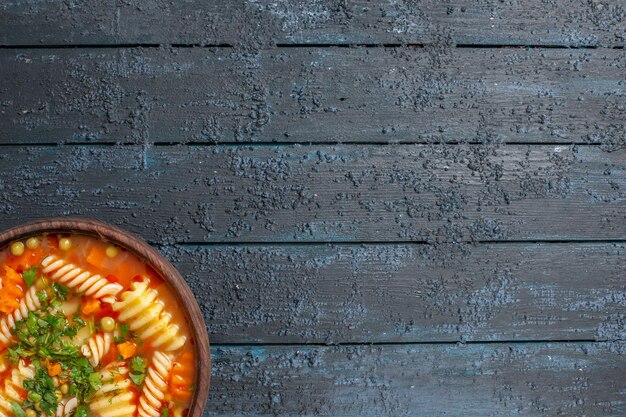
(13, 387)
(66, 407)
(5, 407)
(114, 398)
(96, 347)
(143, 311)
(30, 302)
(81, 281)
(154, 386)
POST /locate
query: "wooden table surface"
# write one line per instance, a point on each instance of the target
(390, 208)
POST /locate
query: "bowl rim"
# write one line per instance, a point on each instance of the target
(157, 261)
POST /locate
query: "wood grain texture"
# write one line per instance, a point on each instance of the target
(497, 380)
(238, 22)
(272, 193)
(449, 228)
(423, 95)
(407, 293)
(157, 262)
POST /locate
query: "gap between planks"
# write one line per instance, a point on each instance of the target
(304, 45)
(294, 143)
(414, 343)
(393, 243)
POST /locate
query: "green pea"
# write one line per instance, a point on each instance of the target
(17, 248)
(34, 397)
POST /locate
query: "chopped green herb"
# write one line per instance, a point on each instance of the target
(82, 382)
(165, 412)
(81, 411)
(60, 290)
(138, 368)
(42, 389)
(45, 336)
(30, 276)
(94, 380)
(17, 410)
(43, 296)
(14, 355)
(137, 378)
(32, 323)
(124, 332)
(138, 364)
(92, 325)
(124, 328)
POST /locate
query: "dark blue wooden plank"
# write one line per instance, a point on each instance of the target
(558, 22)
(407, 293)
(374, 95)
(496, 380)
(325, 193)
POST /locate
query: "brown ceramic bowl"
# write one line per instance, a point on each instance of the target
(144, 251)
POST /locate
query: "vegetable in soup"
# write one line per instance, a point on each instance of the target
(89, 329)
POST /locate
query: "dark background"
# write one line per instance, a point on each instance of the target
(398, 208)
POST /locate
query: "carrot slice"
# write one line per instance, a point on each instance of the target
(12, 290)
(54, 369)
(90, 306)
(12, 275)
(97, 255)
(127, 349)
